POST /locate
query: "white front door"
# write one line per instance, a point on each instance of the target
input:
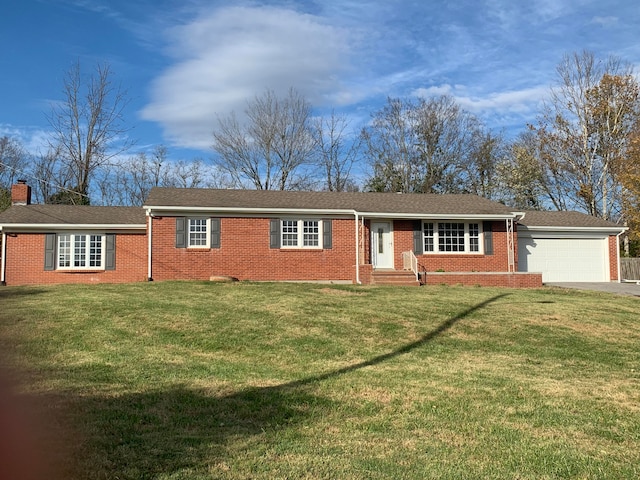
(381, 245)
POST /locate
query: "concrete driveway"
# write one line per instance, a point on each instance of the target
(611, 287)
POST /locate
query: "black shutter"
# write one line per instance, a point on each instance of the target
(110, 251)
(181, 232)
(487, 229)
(274, 233)
(327, 234)
(50, 251)
(418, 243)
(215, 233)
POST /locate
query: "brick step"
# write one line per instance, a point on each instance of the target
(394, 277)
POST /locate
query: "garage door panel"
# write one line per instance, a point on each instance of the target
(564, 259)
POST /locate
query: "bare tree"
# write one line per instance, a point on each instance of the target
(428, 146)
(337, 152)
(520, 174)
(13, 163)
(131, 180)
(88, 127)
(583, 132)
(447, 135)
(488, 151)
(52, 178)
(391, 147)
(270, 149)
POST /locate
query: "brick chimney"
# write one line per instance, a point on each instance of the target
(21, 193)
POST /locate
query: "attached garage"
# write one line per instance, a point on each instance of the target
(567, 247)
(565, 259)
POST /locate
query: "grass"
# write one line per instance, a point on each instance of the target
(272, 381)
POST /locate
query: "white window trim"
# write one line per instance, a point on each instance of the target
(300, 243)
(207, 232)
(467, 238)
(72, 238)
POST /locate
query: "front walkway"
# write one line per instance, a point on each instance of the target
(610, 287)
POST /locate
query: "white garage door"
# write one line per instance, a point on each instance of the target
(564, 259)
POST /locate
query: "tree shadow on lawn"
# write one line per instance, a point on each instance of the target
(142, 435)
(8, 292)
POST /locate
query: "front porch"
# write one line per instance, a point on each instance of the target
(395, 241)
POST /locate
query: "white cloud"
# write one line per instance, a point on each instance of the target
(516, 101)
(35, 140)
(230, 55)
(608, 21)
(522, 101)
(507, 111)
(445, 89)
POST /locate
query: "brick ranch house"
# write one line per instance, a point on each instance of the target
(364, 238)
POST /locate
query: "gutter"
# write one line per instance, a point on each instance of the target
(519, 216)
(40, 227)
(269, 212)
(160, 210)
(608, 230)
(437, 216)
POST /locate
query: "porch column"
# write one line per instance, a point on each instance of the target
(510, 246)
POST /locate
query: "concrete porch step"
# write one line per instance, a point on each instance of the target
(394, 277)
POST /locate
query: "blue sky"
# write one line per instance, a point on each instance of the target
(183, 62)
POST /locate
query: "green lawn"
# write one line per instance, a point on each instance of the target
(200, 380)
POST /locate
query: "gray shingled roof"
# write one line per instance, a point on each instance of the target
(564, 219)
(73, 215)
(392, 203)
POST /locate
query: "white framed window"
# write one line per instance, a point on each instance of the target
(81, 251)
(301, 233)
(451, 237)
(198, 233)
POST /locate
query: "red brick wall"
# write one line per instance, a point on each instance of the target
(25, 262)
(244, 253)
(512, 280)
(498, 262)
(613, 258)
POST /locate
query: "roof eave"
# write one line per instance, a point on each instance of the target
(167, 210)
(555, 228)
(438, 216)
(37, 227)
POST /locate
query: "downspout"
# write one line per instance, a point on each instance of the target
(4, 260)
(357, 250)
(149, 252)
